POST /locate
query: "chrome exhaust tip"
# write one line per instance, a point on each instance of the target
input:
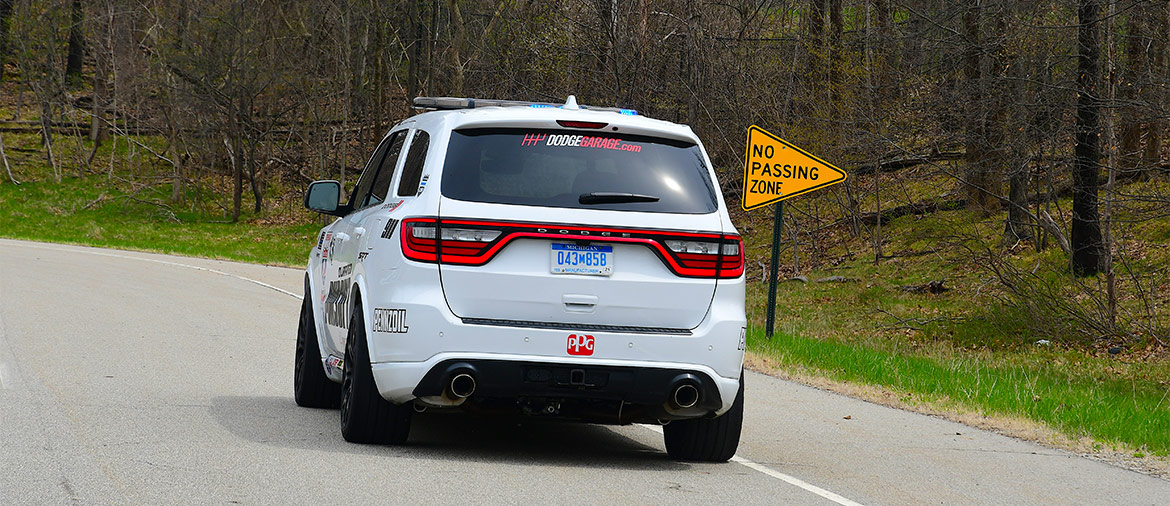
(462, 385)
(685, 396)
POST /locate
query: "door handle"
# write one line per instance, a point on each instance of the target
(342, 236)
(357, 232)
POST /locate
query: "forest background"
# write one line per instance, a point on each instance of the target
(1001, 250)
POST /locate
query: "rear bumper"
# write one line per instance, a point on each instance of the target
(608, 391)
(594, 392)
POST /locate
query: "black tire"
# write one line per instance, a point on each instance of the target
(311, 388)
(706, 439)
(365, 416)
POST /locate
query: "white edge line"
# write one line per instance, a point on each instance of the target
(177, 264)
(792, 480)
(9, 374)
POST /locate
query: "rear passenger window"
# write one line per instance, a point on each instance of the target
(386, 172)
(412, 169)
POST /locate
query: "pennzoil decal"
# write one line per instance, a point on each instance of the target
(390, 226)
(390, 321)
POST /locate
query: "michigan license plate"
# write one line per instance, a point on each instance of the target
(591, 260)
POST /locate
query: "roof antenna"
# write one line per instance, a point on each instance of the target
(571, 103)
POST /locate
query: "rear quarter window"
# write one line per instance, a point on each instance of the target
(554, 168)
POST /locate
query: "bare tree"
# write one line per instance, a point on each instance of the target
(76, 54)
(5, 24)
(1088, 248)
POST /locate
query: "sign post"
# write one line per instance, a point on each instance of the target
(773, 266)
(775, 170)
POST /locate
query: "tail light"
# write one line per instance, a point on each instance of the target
(475, 242)
(468, 246)
(718, 259)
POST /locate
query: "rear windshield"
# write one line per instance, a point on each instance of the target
(556, 168)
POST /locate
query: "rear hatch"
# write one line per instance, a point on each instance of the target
(550, 227)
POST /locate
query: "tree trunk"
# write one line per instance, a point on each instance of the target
(1018, 226)
(836, 51)
(816, 30)
(976, 112)
(76, 53)
(458, 42)
(236, 157)
(1086, 243)
(1155, 94)
(5, 24)
(694, 63)
(884, 51)
(4, 158)
(414, 32)
(97, 125)
(254, 178)
(1131, 113)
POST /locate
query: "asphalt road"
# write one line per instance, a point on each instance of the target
(138, 378)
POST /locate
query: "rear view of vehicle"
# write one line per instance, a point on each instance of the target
(572, 263)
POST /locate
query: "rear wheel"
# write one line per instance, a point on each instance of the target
(311, 388)
(706, 439)
(365, 416)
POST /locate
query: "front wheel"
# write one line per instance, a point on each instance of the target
(365, 416)
(706, 439)
(311, 388)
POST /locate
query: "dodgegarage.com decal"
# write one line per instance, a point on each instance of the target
(579, 141)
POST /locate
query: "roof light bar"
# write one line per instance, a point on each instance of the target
(453, 103)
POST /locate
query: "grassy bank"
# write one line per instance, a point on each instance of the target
(1076, 395)
(93, 208)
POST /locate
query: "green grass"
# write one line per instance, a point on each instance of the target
(1038, 387)
(96, 210)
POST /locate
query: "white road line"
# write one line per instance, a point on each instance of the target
(164, 262)
(9, 375)
(792, 480)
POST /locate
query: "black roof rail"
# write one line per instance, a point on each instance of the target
(454, 103)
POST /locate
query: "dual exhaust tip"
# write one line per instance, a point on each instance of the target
(461, 386)
(684, 395)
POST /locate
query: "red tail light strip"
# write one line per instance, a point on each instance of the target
(471, 253)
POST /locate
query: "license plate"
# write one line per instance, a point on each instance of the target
(591, 260)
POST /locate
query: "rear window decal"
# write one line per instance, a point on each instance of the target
(579, 141)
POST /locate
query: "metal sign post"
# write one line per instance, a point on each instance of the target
(777, 227)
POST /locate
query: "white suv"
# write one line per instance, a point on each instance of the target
(515, 257)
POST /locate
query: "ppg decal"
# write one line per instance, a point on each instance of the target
(580, 344)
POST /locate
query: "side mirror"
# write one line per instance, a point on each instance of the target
(323, 197)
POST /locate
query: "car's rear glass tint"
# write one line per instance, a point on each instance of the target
(554, 168)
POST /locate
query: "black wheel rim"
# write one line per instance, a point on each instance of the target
(298, 366)
(346, 384)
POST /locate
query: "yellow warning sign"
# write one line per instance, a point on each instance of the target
(776, 170)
